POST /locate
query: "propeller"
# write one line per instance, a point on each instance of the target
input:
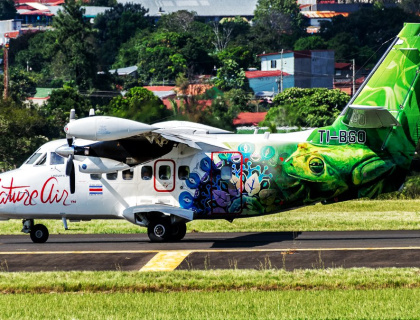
(70, 164)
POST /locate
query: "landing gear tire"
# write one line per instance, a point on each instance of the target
(39, 233)
(159, 231)
(178, 231)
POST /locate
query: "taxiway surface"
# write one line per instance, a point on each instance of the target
(264, 250)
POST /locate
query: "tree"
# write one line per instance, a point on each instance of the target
(230, 76)
(161, 56)
(22, 130)
(115, 27)
(306, 107)
(221, 114)
(139, 104)
(411, 6)
(57, 109)
(101, 3)
(277, 24)
(310, 43)
(364, 32)
(222, 35)
(178, 21)
(36, 51)
(7, 10)
(242, 55)
(75, 57)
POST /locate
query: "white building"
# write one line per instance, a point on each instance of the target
(9, 29)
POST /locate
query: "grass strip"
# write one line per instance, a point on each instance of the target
(326, 304)
(344, 216)
(209, 281)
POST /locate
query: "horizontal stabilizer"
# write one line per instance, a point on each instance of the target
(369, 117)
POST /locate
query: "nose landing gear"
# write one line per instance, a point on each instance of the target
(38, 232)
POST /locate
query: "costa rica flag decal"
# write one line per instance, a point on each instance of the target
(95, 189)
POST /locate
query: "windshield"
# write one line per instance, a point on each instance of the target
(56, 159)
(32, 159)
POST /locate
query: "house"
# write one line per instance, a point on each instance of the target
(41, 12)
(125, 72)
(9, 29)
(266, 84)
(316, 17)
(303, 69)
(343, 77)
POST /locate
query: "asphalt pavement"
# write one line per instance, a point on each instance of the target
(204, 251)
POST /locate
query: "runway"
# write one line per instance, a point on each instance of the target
(205, 251)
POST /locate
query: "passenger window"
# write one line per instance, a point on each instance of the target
(146, 172)
(56, 159)
(164, 172)
(183, 172)
(226, 173)
(96, 176)
(43, 160)
(112, 176)
(128, 174)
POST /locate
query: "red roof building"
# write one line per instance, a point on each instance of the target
(249, 118)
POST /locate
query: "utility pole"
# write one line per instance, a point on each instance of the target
(6, 66)
(354, 78)
(281, 70)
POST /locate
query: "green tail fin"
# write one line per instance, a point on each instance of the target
(384, 114)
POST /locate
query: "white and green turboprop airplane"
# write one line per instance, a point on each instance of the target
(164, 175)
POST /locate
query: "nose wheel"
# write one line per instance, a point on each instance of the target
(38, 232)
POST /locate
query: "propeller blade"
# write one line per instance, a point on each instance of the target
(69, 165)
(70, 140)
(71, 173)
(72, 179)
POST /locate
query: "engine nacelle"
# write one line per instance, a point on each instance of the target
(105, 128)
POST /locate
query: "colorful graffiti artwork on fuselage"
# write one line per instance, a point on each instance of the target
(258, 180)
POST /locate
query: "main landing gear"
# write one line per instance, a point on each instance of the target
(38, 232)
(162, 230)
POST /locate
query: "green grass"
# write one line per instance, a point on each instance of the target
(209, 281)
(350, 304)
(350, 215)
(215, 294)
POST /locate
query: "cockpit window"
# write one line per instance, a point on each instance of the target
(42, 161)
(32, 159)
(56, 159)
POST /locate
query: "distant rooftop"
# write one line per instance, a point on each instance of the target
(249, 118)
(262, 74)
(124, 71)
(206, 8)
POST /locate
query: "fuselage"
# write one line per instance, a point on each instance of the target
(256, 175)
(185, 177)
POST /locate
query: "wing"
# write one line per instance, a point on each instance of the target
(101, 128)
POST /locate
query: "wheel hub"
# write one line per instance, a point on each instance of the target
(39, 234)
(159, 230)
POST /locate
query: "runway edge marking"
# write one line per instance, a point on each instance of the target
(206, 250)
(166, 261)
